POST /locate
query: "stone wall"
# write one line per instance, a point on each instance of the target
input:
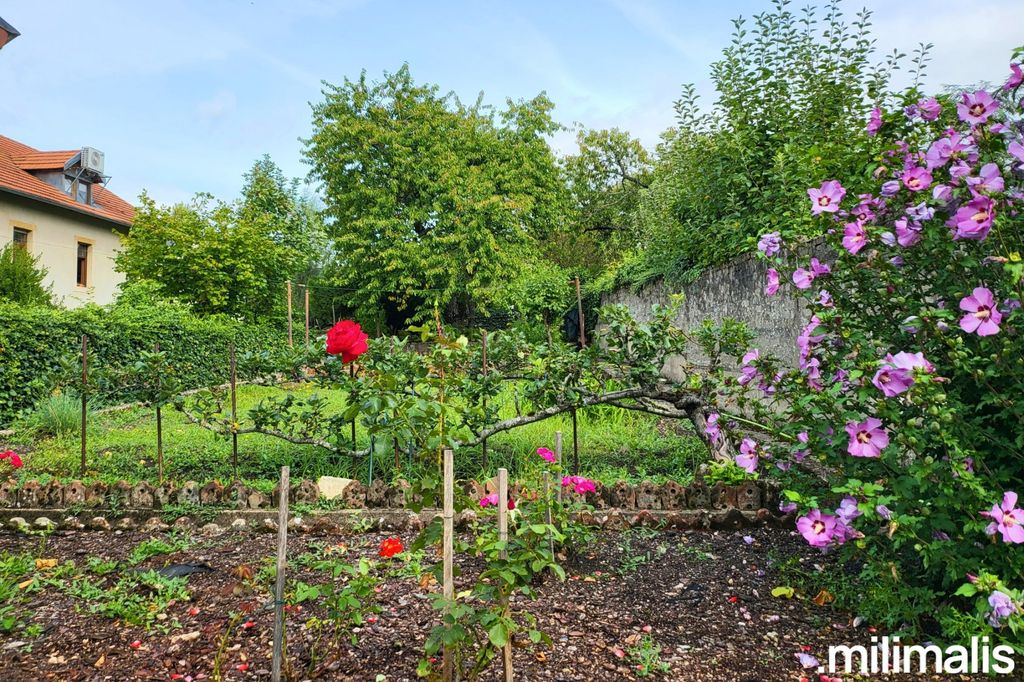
(733, 290)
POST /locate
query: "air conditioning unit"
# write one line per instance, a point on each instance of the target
(92, 160)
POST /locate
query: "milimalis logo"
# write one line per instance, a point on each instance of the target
(887, 655)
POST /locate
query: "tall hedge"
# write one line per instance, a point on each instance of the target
(38, 345)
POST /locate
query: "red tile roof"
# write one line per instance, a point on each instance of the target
(16, 159)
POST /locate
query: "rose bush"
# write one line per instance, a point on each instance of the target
(347, 339)
(899, 434)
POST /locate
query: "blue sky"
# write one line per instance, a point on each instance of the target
(182, 96)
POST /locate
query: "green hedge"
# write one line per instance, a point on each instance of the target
(40, 345)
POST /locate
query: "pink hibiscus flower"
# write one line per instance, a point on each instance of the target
(867, 438)
(817, 528)
(977, 107)
(825, 199)
(1007, 519)
(983, 317)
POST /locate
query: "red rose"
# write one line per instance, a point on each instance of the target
(347, 340)
(390, 547)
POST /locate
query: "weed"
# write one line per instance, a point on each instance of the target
(100, 567)
(135, 599)
(154, 547)
(646, 655)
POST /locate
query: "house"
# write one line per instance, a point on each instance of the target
(55, 205)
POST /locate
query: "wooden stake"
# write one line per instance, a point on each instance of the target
(282, 562)
(234, 407)
(579, 309)
(506, 651)
(352, 373)
(305, 290)
(558, 461)
(448, 553)
(85, 399)
(575, 446)
(290, 342)
(483, 351)
(547, 512)
(159, 424)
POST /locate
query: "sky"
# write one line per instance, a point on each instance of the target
(183, 95)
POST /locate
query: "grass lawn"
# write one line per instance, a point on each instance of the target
(613, 444)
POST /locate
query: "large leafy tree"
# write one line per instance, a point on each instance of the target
(22, 279)
(208, 254)
(434, 203)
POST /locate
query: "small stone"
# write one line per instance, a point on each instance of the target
(332, 486)
(239, 524)
(211, 529)
(154, 525)
(269, 525)
(43, 523)
(71, 523)
(184, 523)
(127, 523)
(97, 523)
(18, 523)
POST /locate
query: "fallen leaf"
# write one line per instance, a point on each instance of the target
(540, 656)
(783, 591)
(426, 580)
(25, 584)
(242, 572)
(619, 653)
(823, 597)
(45, 563)
(100, 661)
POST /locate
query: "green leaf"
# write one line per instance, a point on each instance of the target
(498, 634)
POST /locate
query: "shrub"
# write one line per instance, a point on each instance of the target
(21, 277)
(39, 349)
(54, 415)
(907, 395)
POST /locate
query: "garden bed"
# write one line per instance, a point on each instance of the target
(703, 597)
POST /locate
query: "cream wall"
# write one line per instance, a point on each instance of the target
(55, 234)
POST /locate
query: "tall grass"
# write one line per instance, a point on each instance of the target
(56, 415)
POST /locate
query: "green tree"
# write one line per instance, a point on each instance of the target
(21, 277)
(209, 254)
(434, 203)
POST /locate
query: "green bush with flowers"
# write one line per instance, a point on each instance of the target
(899, 436)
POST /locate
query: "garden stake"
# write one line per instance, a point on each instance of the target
(398, 459)
(547, 512)
(290, 344)
(506, 651)
(282, 549)
(85, 398)
(305, 290)
(558, 462)
(352, 373)
(579, 310)
(483, 350)
(575, 446)
(234, 407)
(372, 444)
(159, 424)
(448, 518)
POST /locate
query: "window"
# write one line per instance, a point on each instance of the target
(21, 237)
(78, 189)
(83, 264)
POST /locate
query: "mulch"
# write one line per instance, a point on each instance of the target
(703, 597)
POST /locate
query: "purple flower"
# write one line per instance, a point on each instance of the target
(807, 661)
(875, 122)
(748, 539)
(929, 109)
(825, 199)
(819, 268)
(848, 510)
(1016, 77)
(942, 193)
(1002, 607)
(580, 484)
(910, 362)
(854, 237)
(817, 528)
(973, 220)
(983, 317)
(1006, 519)
(546, 454)
(892, 381)
(711, 428)
(890, 188)
(772, 287)
(1016, 150)
(824, 299)
(907, 234)
(921, 212)
(787, 507)
(770, 244)
(976, 108)
(884, 512)
(867, 438)
(988, 180)
(917, 179)
(862, 212)
(802, 278)
(748, 459)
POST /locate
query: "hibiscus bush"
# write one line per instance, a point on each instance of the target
(899, 436)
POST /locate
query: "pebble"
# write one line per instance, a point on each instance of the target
(44, 523)
(211, 529)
